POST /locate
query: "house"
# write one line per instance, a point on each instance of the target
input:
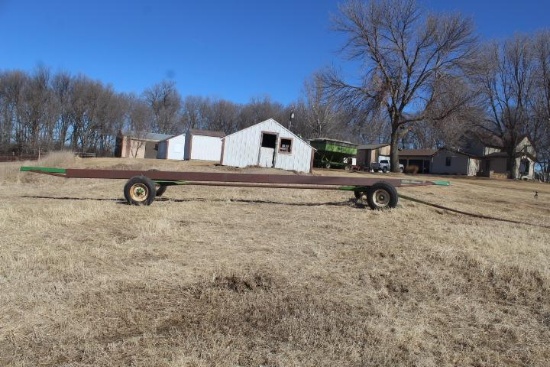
(485, 156)
(421, 158)
(267, 144)
(194, 144)
(138, 145)
(495, 162)
(453, 162)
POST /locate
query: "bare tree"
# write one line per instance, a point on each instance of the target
(319, 114)
(404, 54)
(508, 86)
(260, 109)
(223, 116)
(194, 112)
(140, 122)
(110, 115)
(38, 112)
(165, 102)
(539, 128)
(11, 96)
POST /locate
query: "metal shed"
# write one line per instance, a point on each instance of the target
(138, 144)
(194, 144)
(172, 148)
(203, 145)
(267, 144)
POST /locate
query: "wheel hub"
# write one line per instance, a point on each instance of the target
(381, 198)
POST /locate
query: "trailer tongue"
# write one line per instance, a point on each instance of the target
(143, 186)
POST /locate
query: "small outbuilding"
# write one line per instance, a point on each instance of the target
(367, 154)
(172, 148)
(138, 144)
(194, 144)
(267, 144)
(203, 145)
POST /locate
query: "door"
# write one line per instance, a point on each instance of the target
(266, 156)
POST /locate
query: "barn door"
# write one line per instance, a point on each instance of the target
(266, 156)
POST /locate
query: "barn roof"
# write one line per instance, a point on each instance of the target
(280, 126)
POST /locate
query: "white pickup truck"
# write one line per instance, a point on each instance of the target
(384, 166)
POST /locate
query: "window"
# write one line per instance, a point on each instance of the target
(285, 145)
(269, 140)
(448, 161)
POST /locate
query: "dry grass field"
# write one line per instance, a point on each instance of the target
(213, 276)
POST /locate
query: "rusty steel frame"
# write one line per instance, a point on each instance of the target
(231, 179)
(238, 179)
(140, 182)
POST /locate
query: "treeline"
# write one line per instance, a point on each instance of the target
(44, 111)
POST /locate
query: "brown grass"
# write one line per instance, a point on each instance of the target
(214, 276)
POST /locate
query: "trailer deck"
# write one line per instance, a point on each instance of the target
(143, 186)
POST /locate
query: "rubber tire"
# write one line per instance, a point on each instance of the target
(161, 190)
(382, 195)
(143, 183)
(327, 165)
(384, 169)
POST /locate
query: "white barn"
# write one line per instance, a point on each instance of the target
(267, 144)
(194, 144)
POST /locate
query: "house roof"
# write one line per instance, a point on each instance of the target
(505, 155)
(417, 152)
(457, 151)
(371, 146)
(496, 155)
(280, 126)
(218, 134)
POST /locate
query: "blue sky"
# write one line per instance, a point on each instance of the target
(233, 49)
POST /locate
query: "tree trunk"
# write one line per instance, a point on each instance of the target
(511, 165)
(394, 146)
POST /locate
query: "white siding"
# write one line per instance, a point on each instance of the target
(242, 148)
(206, 148)
(176, 147)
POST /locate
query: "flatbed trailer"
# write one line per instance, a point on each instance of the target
(143, 186)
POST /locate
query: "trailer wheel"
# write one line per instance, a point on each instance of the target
(382, 195)
(160, 189)
(139, 190)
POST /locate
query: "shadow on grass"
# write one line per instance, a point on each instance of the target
(352, 203)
